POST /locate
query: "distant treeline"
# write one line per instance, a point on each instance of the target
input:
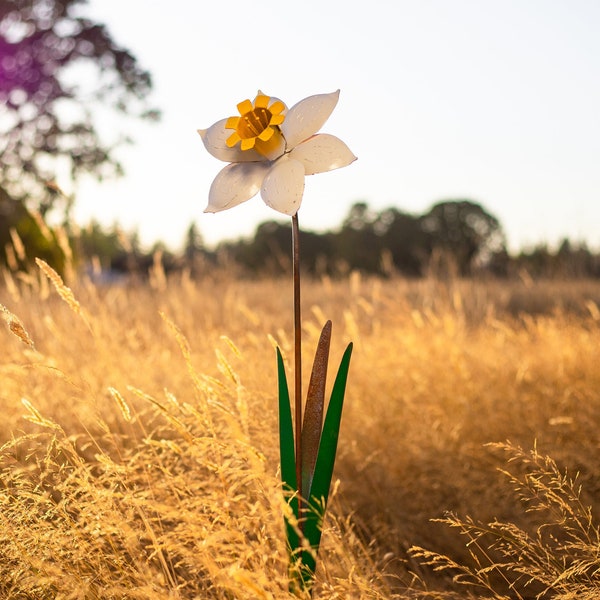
(457, 235)
(453, 238)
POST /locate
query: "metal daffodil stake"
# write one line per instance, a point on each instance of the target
(270, 150)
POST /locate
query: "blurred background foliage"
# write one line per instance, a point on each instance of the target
(58, 72)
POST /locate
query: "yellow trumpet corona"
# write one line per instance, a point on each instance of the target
(257, 127)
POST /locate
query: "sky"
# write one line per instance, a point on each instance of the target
(497, 101)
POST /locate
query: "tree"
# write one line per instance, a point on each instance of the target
(193, 250)
(357, 243)
(402, 236)
(463, 232)
(47, 122)
(22, 239)
(194, 243)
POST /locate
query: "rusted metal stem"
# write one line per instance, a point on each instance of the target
(297, 359)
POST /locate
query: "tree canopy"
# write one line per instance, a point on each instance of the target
(57, 68)
(463, 231)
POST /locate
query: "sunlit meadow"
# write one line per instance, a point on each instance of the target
(140, 453)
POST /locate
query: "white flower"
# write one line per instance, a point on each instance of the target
(271, 149)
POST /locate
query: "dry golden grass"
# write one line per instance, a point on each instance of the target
(140, 432)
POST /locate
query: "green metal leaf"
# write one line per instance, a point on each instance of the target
(286, 451)
(313, 415)
(319, 492)
(303, 562)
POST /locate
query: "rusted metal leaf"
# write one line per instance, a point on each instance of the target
(313, 415)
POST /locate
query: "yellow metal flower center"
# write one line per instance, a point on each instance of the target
(257, 127)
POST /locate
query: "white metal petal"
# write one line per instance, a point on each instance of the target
(321, 153)
(215, 141)
(307, 116)
(274, 99)
(235, 184)
(283, 187)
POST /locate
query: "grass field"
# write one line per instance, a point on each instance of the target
(140, 452)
